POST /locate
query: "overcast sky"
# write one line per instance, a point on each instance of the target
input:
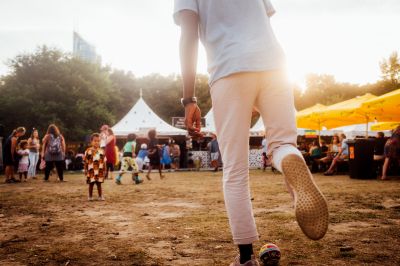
(346, 38)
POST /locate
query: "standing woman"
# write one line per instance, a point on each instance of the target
(154, 154)
(53, 152)
(10, 149)
(34, 148)
(110, 153)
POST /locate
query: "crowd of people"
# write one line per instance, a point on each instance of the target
(98, 161)
(321, 156)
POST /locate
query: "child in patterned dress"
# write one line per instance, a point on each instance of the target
(23, 163)
(95, 166)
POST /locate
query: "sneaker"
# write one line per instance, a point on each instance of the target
(117, 181)
(252, 262)
(310, 205)
(101, 198)
(90, 198)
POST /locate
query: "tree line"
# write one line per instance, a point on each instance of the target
(50, 86)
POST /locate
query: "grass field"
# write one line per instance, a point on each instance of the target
(181, 221)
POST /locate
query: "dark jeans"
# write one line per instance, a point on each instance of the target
(50, 166)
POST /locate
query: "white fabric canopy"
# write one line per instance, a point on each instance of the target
(210, 125)
(140, 119)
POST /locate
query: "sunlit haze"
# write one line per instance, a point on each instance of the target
(345, 38)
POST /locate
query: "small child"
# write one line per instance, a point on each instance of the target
(23, 164)
(141, 157)
(128, 161)
(95, 166)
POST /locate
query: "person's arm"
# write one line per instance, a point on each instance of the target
(13, 147)
(44, 146)
(109, 139)
(63, 146)
(188, 49)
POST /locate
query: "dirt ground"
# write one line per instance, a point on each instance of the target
(181, 221)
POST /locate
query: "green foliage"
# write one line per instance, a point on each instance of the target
(49, 86)
(390, 68)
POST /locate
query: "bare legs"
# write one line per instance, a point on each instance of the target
(99, 190)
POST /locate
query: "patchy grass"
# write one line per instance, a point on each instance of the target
(182, 221)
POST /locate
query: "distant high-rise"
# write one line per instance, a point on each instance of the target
(85, 50)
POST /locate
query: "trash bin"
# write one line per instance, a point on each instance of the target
(361, 158)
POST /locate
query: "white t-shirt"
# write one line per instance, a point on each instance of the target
(237, 35)
(24, 156)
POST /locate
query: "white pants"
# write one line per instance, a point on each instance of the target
(233, 99)
(140, 163)
(33, 160)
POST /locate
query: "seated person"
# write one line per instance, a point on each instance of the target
(391, 152)
(324, 148)
(342, 155)
(315, 154)
(379, 146)
(333, 150)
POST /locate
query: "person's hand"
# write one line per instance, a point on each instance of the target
(193, 120)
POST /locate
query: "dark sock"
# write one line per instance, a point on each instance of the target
(245, 252)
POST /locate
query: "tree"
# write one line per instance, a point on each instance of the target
(390, 68)
(49, 86)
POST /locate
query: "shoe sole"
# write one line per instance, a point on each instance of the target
(310, 204)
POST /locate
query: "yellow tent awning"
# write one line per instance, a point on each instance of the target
(306, 118)
(385, 108)
(384, 126)
(345, 113)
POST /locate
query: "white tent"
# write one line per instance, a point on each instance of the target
(210, 125)
(140, 119)
(352, 131)
(259, 129)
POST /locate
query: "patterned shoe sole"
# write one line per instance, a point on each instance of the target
(310, 205)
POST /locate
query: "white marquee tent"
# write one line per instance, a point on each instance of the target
(210, 125)
(140, 119)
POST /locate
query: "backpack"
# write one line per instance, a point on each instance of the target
(54, 146)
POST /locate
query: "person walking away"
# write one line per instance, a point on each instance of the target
(9, 153)
(176, 155)
(95, 166)
(128, 161)
(154, 154)
(246, 63)
(214, 152)
(34, 148)
(110, 153)
(53, 152)
(141, 157)
(23, 163)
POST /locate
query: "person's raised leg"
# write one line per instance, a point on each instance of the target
(232, 99)
(276, 105)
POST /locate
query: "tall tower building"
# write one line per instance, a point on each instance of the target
(84, 50)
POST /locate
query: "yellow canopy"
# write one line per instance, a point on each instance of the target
(345, 113)
(385, 108)
(384, 126)
(306, 118)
